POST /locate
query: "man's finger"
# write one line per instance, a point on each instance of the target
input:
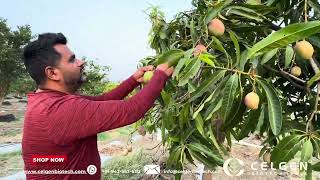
(169, 71)
(147, 68)
(150, 67)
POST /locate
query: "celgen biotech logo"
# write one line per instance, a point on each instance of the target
(91, 169)
(233, 167)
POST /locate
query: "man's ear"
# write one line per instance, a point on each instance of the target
(52, 73)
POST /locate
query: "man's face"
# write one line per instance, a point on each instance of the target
(70, 67)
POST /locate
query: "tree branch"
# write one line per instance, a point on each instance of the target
(316, 70)
(285, 75)
(292, 76)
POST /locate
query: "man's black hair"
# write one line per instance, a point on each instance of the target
(39, 54)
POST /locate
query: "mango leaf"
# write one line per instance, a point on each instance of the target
(314, 78)
(199, 124)
(216, 44)
(245, 14)
(309, 172)
(166, 97)
(250, 123)
(229, 95)
(289, 56)
(195, 114)
(205, 86)
(204, 149)
(215, 142)
(213, 12)
(203, 159)
(307, 151)
(207, 58)
(263, 151)
(286, 149)
(235, 116)
(189, 72)
(316, 167)
(163, 34)
(315, 5)
(314, 40)
(168, 119)
(186, 134)
(171, 57)
(191, 87)
(243, 60)
(261, 119)
(182, 62)
(189, 157)
(236, 45)
(193, 32)
(259, 8)
(266, 57)
(237, 109)
(179, 66)
(184, 114)
(215, 106)
(274, 107)
(174, 156)
(215, 103)
(250, 13)
(285, 36)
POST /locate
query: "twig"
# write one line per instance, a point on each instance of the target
(233, 70)
(292, 76)
(153, 147)
(316, 70)
(314, 65)
(315, 109)
(288, 78)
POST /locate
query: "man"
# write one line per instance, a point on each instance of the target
(61, 123)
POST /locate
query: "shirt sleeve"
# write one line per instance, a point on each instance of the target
(76, 117)
(118, 93)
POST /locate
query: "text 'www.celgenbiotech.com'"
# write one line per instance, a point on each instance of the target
(55, 171)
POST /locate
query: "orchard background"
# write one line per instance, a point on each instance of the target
(242, 68)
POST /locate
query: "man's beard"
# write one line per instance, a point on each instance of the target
(74, 84)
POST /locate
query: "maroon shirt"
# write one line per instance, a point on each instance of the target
(62, 124)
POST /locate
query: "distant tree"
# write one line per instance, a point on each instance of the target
(96, 78)
(22, 85)
(11, 64)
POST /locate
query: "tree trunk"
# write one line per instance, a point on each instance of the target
(4, 88)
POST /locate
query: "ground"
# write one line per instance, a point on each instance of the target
(114, 142)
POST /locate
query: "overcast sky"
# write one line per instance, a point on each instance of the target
(114, 32)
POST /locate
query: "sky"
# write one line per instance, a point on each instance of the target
(113, 33)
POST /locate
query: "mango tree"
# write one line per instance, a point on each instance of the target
(241, 67)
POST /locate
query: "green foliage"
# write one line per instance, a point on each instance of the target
(103, 136)
(132, 163)
(11, 163)
(110, 86)
(23, 85)
(96, 78)
(11, 64)
(197, 112)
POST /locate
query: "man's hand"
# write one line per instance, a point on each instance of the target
(138, 75)
(165, 68)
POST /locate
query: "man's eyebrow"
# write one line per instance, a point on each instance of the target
(72, 57)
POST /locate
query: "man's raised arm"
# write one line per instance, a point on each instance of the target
(89, 117)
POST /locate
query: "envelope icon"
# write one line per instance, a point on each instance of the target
(151, 169)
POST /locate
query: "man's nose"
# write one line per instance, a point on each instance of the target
(81, 62)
